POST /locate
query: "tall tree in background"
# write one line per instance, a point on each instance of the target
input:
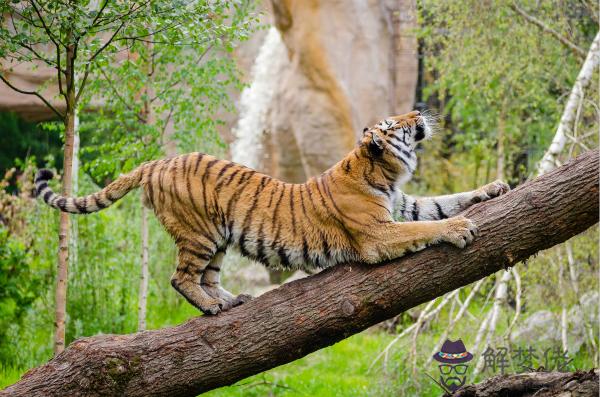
(76, 38)
(163, 95)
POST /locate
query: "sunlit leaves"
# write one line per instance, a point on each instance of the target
(494, 70)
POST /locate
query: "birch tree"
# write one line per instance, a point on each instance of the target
(567, 120)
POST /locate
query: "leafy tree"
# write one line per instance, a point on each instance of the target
(503, 81)
(75, 38)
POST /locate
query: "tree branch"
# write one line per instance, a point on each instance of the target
(566, 42)
(539, 384)
(8, 83)
(309, 314)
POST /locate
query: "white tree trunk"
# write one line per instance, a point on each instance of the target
(74, 188)
(499, 299)
(143, 292)
(565, 126)
(170, 146)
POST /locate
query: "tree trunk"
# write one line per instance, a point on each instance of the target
(63, 240)
(565, 126)
(143, 293)
(148, 117)
(64, 225)
(538, 384)
(308, 314)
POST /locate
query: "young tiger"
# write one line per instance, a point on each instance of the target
(344, 215)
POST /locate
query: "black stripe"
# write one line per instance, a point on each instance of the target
(205, 225)
(399, 156)
(81, 205)
(196, 253)
(375, 185)
(260, 248)
(213, 268)
(149, 184)
(302, 202)
(98, 203)
(233, 200)
(40, 187)
(204, 187)
(415, 211)
(62, 203)
(221, 182)
(271, 196)
(198, 160)
(325, 249)
(277, 228)
(283, 258)
(47, 195)
(305, 254)
(292, 210)
(441, 214)
(248, 216)
(347, 166)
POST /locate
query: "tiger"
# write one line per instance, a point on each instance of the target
(345, 215)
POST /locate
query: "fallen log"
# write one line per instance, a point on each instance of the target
(309, 314)
(538, 384)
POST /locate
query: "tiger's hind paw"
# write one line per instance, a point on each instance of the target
(211, 310)
(241, 299)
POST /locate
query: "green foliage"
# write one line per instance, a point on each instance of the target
(177, 77)
(494, 72)
(17, 284)
(21, 139)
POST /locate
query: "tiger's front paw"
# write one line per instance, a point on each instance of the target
(460, 231)
(490, 191)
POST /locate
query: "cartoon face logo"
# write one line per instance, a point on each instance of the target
(452, 358)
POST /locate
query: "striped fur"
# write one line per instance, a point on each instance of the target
(343, 215)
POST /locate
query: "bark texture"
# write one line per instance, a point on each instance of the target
(308, 314)
(538, 384)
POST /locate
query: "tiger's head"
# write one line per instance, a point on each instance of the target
(394, 139)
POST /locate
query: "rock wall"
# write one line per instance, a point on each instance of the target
(346, 65)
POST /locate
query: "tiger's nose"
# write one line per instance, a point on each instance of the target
(408, 116)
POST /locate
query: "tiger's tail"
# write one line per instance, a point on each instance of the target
(91, 203)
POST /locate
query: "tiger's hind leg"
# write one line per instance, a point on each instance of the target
(192, 263)
(210, 283)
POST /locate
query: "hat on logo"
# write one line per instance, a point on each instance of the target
(453, 353)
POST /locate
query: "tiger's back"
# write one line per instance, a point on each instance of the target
(208, 205)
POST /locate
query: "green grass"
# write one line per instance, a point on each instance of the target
(339, 370)
(9, 375)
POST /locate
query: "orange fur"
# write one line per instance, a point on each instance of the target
(343, 215)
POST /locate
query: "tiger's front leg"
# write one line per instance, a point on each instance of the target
(398, 238)
(441, 207)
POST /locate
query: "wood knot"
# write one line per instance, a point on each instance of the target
(347, 307)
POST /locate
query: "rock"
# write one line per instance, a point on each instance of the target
(346, 65)
(541, 326)
(544, 326)
(580, 317)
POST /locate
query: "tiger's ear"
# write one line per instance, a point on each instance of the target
(375, 144)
